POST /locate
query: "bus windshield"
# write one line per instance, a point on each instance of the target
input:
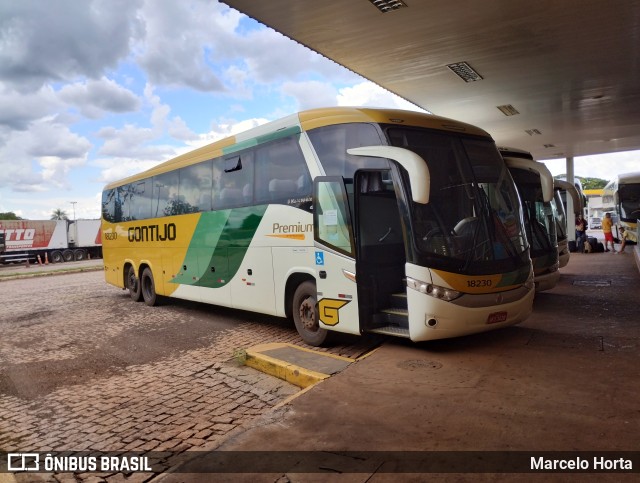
(473, 222)
(561, 216)
(629, 198)
(538, 215)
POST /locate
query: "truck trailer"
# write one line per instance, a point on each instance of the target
(54, 240)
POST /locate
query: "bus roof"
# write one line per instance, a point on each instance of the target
(625, 178)
(305, 120)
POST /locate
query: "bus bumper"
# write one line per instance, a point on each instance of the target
(546, 281)
(453, 320)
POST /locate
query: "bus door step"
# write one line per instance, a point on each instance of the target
(393, 330)
(399, 300)
(392, 321)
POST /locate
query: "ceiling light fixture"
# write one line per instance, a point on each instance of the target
(388, 5)
(464, 71)
(533, 132)
(508, 110)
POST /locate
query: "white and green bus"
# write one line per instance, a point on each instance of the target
(621, 197)
(344, 219)
(535, 186)
(564, 223)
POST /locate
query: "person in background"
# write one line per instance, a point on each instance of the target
(607, 224)
(627, 235)
(581, 233)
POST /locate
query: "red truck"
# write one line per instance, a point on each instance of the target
(55, 240)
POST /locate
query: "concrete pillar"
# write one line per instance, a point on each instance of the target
(571, 227)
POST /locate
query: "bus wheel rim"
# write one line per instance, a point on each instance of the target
(308, 314)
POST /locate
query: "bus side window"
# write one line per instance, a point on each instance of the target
(140, 193)
(232, 180)
(109, 205)
(195, 187)
(332, 217)
(281, 173)
(165, 195)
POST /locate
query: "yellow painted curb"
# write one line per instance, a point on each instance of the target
(292, 373)
(296, 375)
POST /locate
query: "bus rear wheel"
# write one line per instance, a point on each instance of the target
(133, 285)
(148, 288)
(305, 315)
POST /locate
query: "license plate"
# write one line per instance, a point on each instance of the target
(496, 317)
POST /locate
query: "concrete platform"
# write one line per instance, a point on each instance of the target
(294, 364)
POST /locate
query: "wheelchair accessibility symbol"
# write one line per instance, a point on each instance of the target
(319, 258)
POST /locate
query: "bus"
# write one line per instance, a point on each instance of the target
(535, 185)
(621, 197)
(352, 220)
(563, 224)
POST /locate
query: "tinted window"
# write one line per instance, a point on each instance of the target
(166, 201)
(233, 181)
(281, 174)
(331, 144)
(140, 194)
(195, 187)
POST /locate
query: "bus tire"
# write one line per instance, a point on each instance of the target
(56, 257)
(67, 255)
(148, 288)
(133, 285)
(305, 315)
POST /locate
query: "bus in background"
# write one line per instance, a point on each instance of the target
(535, 185)
(345, 219)
(563, 224)
(621, 197)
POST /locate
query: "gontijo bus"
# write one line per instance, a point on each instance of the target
(344, 219)
(621, 196)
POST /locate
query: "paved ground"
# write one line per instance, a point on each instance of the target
(565, 380)
(82, 367)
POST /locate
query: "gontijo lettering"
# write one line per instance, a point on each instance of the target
(152, 233)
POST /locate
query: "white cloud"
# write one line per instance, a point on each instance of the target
(40, 159)
(180, 36)
(603, 166)
(41, 42)
(18, 110)
(94, 98)
(369, 94)
(311, 94)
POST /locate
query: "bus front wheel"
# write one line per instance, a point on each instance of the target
(133, 285)
(305, 314)
(148, 288)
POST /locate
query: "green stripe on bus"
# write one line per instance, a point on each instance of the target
(249, 143)
(219, 244)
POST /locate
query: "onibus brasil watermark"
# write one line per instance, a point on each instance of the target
(36, 462)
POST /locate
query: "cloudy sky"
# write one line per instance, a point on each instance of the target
(95, 90)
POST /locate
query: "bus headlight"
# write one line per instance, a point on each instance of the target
(435, 291)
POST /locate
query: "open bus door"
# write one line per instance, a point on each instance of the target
(335, 257)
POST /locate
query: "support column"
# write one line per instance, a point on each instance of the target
(571, 225)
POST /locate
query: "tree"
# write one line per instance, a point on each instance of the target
(9, 215)
(59, 214)
(587, 183)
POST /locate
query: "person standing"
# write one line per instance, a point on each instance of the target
(581, 233)
(607, 224)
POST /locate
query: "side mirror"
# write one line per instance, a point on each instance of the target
(417, 168)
